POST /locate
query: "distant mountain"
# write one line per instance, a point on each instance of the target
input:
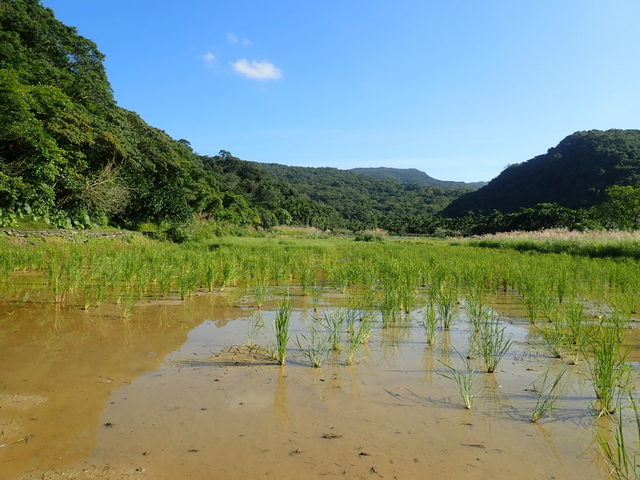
(574, 174)
(413, 175)
(362, 200)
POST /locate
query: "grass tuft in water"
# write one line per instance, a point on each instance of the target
(360, 336)
(256, 325)
(607, 366)
(621, 455)
(315, 347)
(281, 325)
(490, 343)
(429, 322)
(463, 378)
(546, 396)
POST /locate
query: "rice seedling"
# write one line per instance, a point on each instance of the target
(429, 322)
(281, 326)
(256, 325)
(477, 312)
(333, 322)
(229, 272)
(536, 299)
(624, 458)
(128, 300)
(390, 305)
(187, 282)
(305, 276)
(575, 316)
(554, 337)
(609, 372)
(446, 302)
(546, 396)
(210, 277)
(490, 343)
(316, 296)
(315, 347)
(463, 377)
(360, 336)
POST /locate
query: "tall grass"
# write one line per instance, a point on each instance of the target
(446, 303)
(281, 327)
(546, 396)
(463, 378)
(622, 454)
(315, 347)
(490, 343)
(609, 372)
(360, 336)
(429, 322)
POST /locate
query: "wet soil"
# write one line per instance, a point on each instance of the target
(172, 392)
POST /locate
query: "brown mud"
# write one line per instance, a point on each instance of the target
(171, 392)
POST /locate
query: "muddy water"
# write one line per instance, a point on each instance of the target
(98, 396)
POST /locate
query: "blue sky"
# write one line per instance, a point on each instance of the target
(458, 89)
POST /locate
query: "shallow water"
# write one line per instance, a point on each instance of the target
(91, 394)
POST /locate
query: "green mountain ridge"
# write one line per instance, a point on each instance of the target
(413, 175)
(574, 174)
(71, 156)
(363, 201)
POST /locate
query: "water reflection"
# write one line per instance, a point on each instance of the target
(280, 398)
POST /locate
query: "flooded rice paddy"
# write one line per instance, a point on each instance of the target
(168, 392)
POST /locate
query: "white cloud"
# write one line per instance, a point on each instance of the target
(234, 39)
(209, 58)
(257, 70)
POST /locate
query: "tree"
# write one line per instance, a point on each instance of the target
(622, 208)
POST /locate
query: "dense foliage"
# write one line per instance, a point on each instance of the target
(413, 175)
(70, 155)
(620, 211)
(363, 201)
(575, 174)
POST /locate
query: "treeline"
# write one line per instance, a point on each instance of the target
(361, 201)
(71, 157)
(620, 211)
(576, 174)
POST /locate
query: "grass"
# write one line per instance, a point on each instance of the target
(360, 336)
(315, 347)
(622, 454)
(546, 396)
(609, 372)
(463, 377)
(599, 244)
(490, 343)
(429, 322)
(281, 327)
(334, 323)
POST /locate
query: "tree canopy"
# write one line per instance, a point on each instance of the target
(574, 174)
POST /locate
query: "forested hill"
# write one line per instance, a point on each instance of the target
(363, 201)
(413, 175)
(71, 156)
(574, 174)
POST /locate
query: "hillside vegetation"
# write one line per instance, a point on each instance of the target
(363, 201)
(413, 175)
(71, 157)
(575, 174)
